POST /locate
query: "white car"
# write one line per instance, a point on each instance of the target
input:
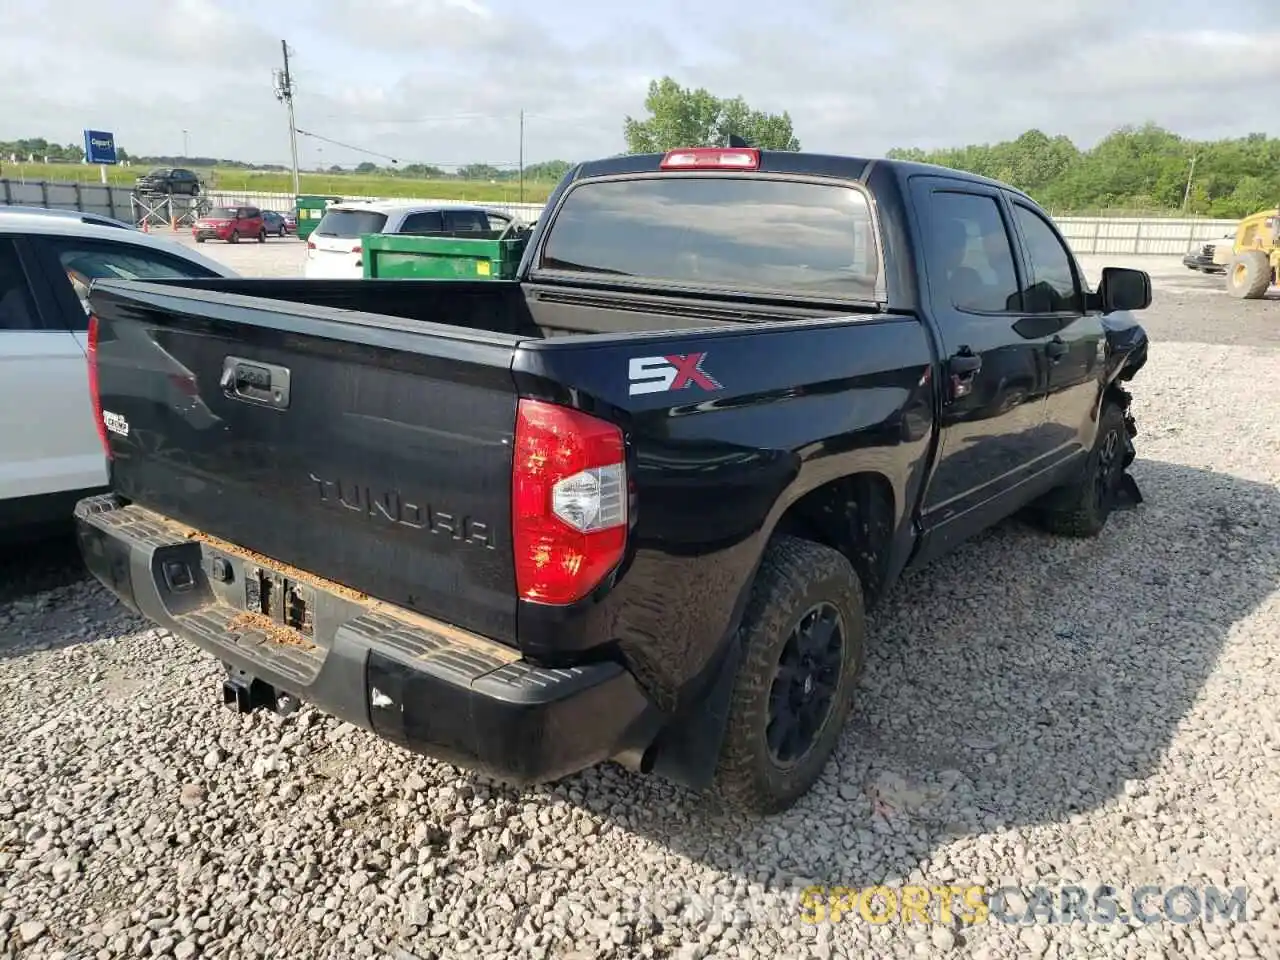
(334, 251)
(50, 451)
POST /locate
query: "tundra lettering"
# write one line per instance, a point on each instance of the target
(391, 506)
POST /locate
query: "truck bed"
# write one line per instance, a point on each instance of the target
(370, 448)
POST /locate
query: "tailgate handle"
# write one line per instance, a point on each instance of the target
(255, 382)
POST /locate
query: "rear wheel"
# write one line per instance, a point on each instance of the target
(802, 650)
(262, 235)
(234, 237)
(1249, 275)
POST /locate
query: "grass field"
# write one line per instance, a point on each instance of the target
(349, 185)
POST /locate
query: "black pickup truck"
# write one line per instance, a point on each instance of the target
(633, 505)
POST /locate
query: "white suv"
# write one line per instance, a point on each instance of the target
(50, 451)
(333, 249)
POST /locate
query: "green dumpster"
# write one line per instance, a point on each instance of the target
(405, 257)
(310, 208)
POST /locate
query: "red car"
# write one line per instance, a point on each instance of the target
(230, 224)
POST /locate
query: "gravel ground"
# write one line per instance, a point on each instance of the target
(1035, 711)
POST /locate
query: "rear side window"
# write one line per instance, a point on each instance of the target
(83, 262)
(744, 232)
(350, 223)
(431, 221)
(973, 253)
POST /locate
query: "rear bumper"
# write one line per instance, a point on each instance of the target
(328, 267)
(424, 685)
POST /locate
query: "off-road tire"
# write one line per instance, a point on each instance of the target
(794, 576)
(1249, 275)
(1081, 508)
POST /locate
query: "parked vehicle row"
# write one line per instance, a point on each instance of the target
(635, 503)
(233, 224)
(334, 250)
(50, 454)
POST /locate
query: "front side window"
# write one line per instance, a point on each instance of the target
(467, 220)
(745, 232)
(1052, 287)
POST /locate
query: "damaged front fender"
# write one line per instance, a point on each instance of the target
(1127, 344)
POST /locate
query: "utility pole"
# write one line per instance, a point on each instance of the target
(284, 93)
(184, 144)
(522, 156)
(1186, 197)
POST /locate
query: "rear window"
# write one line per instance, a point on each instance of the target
(350, 223)
(751, 233)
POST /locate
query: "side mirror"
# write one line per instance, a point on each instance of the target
(1124, 289)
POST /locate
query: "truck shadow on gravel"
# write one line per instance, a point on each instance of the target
(31, 567)
(1017, 682)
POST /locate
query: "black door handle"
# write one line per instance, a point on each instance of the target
(1056, 348)
(961, 368)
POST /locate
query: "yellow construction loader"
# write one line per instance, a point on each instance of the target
(1253, 260)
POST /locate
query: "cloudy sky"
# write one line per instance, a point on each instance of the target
(443, 81)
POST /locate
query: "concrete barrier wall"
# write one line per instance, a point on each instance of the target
(1139, 237)
(88, 197)
(1087, 235)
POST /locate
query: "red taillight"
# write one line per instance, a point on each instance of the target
(311, 244)
(356, 248)
(712, 158)
(94, 392)
(569, 501)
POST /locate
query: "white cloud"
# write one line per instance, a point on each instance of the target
(445, 80)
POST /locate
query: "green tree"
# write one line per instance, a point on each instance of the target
(684, 117)
(547, 170)
(480, 171)
(1135, 169)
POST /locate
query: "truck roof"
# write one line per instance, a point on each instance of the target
(785, 161)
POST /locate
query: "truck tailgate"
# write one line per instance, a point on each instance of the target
(370, 451)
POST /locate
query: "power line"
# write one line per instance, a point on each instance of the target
(348, 146)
